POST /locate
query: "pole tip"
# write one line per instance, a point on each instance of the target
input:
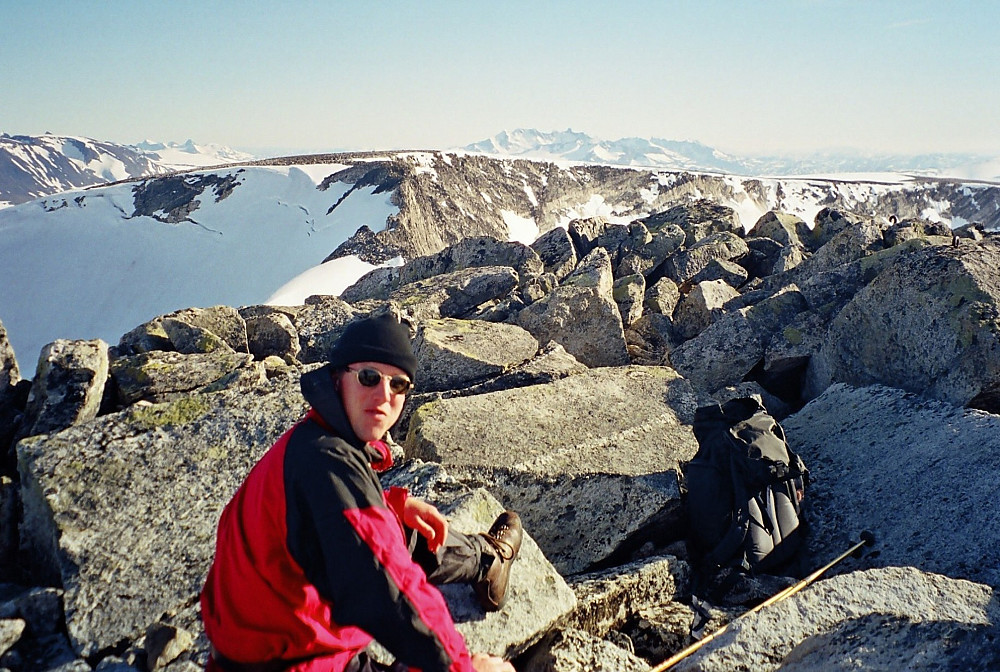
(867, 539)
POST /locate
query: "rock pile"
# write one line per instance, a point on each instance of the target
(560, 380)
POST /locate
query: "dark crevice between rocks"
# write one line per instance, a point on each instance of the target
(11, 418)
(987, 400)
(786, 385)
(110, 397)
(523, 658)
(12, 568)
(117, 650)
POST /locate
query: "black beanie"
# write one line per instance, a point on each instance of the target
(375, 339)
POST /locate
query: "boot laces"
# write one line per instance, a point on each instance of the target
(503, 548)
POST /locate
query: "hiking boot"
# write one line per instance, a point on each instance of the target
(504, 540)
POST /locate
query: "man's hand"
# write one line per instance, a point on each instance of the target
(427, 520)
(486, 663)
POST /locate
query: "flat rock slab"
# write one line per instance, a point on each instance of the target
(588, 461)
(895, 618)
(160, 376)
(920, 474)
(122, 511)
(454, 353)
(455, 294)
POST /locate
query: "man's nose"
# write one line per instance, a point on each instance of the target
(382, 390)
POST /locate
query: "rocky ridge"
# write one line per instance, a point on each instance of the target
(383, 206)
(558, 379)
(444, 198)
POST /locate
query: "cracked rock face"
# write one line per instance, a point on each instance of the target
(453, 354)
(930, 323)
(585, 494)
(68, 385)
(464, 196)
(171, 466)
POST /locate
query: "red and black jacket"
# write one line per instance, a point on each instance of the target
(311, 560)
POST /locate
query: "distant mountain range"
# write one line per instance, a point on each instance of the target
(180, 156)
(37, 166)
(694, 156)
(34, 167)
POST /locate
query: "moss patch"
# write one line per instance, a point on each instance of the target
(211, 453)
(142, 369)
(209, 342)
(179, 412)
(792, 335)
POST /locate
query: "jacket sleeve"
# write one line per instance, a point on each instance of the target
(395, 499)
(351, 547)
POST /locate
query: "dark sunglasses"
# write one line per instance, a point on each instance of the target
(372, 377)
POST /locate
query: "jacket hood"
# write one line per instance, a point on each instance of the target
(320, 392)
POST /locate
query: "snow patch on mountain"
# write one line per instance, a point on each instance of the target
(521, 229)
(95, 263)
(80, 265)
(329, 278)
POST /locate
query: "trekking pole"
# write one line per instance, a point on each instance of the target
(867, 539)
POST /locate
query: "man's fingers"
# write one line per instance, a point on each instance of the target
(428, 522)
(436, 532)
(440, 526)
(425, 530)
(482, 662)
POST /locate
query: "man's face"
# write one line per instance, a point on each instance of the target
(371, 410)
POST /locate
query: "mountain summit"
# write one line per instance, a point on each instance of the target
(179, 156)
(37, 166)
(573, 146)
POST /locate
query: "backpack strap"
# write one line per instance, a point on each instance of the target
(732, 541)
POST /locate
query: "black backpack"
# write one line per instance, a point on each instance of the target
(744, 488)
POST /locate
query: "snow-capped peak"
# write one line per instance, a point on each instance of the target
(180, 156)
(688, 155)
(37, 166)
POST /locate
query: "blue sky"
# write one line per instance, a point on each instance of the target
(789, 76)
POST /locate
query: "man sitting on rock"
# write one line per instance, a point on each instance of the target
(313, 560)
